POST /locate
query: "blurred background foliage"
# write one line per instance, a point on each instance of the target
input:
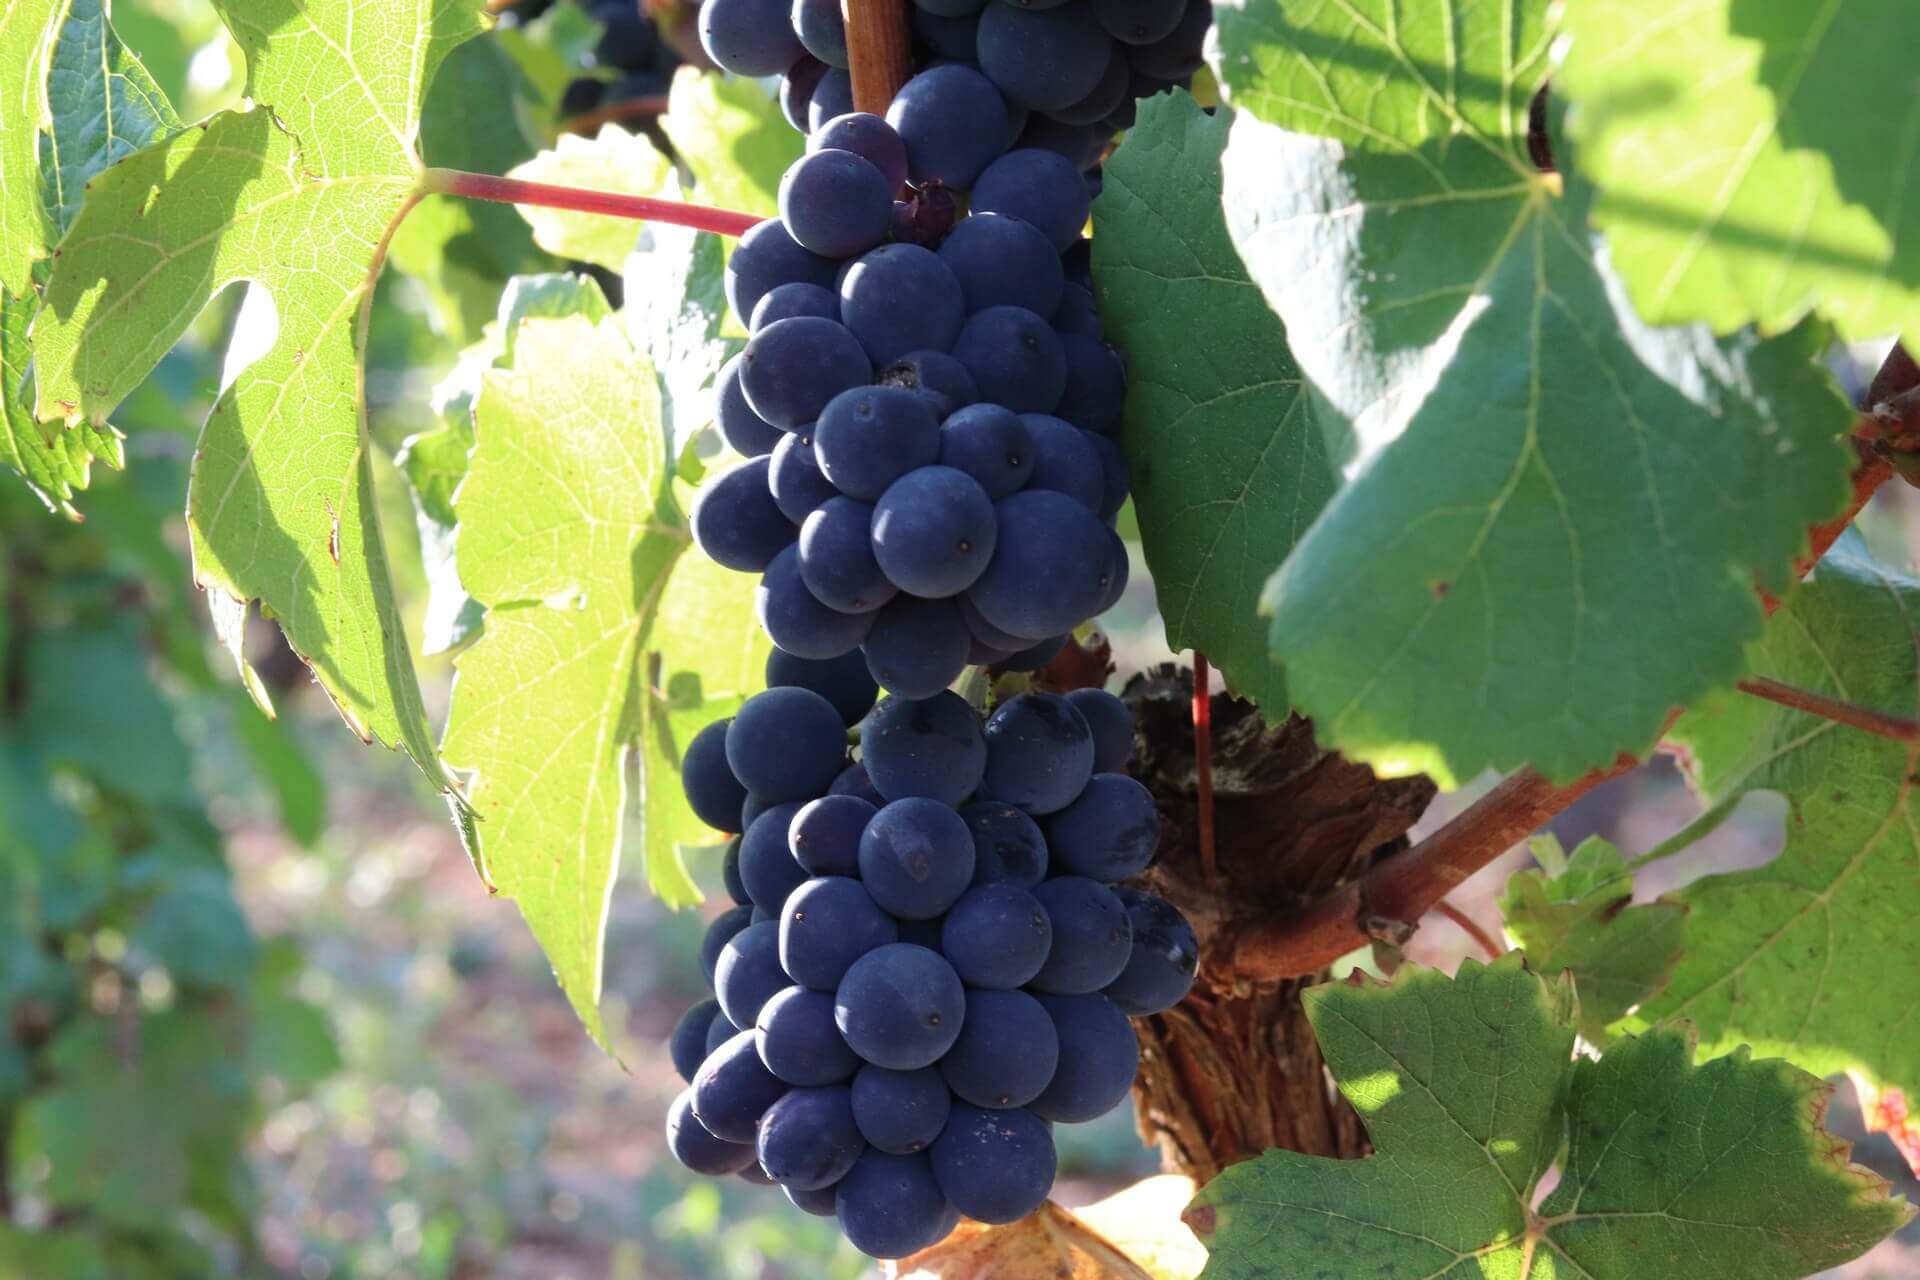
(257, 1016)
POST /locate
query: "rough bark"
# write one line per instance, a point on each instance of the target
(1234, 1069)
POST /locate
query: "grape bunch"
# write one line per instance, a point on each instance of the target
(926, 407)
(930, 961)
(1066, 73)
(631, 44)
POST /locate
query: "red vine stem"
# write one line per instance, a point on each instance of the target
(481, 186)
(879, 51)
(1851, 714)
(1471, 927)
(1390, 899)
(1203, 764)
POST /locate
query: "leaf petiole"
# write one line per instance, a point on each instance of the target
(482, 186)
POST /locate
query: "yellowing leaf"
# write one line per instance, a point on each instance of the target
(1051, 1244)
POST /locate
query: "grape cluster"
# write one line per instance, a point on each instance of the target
(631, 44)
(930, 961)
(926, 406)
(1065, 74)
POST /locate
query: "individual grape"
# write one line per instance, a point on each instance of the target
(994, 1166)
(1039, 752)
(949, 8)
(1177, 55)
(916, 858)
(794, 367)
(853, 780)
(756, 1176)
(752, 809)
(821, 29)
(900, 1111)
(1077, 313)
(733, 1089)
(730, 874)
(930, 747)
(766, 867)
(1064, 460)
(1116, 477)
(1036, 658)
(987, 634)
(1109, 833)
(798, 1042)
(1165, 956)
(825, 835)
(695, 1147)
(1112, 726)
(1040, 187)
(917, 647)
(1003, 261)
(833, 96)
(1008, 847)
(720, 1032)
(900, 1006)
(749, 972)
(808, 1139)
(829, 923)
(835, 203)
(745, 431)
(795, 621)
(1099, 1056)
(900, 298)
(1050, 569)
(784, 302)
(797, 88)
(1120, 566)
(985, 655)
(837, 561)
(954, 121)
(1007, 1051)
(713, 793)
(1044, 58)
(869, 137)
(842, 681)
(786, 744)
(765, 258)
(996, 936)
(933, 532)
(794, 477)
(582, 94)
(819, 1202)
(947, 37)
(889, 1206)
(1095, 396)
(925, 216)
(1138, 21)
(1014, 356)
(749, 37)
(870, 437)
(736, 521)
(688, 1046)
(1081, 144)
(1104, 98)
(990, 444)
(1077, 262)
(1092, 937)
(932, 373)
(720, 932)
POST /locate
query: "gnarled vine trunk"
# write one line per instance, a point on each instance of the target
(1234, 1069)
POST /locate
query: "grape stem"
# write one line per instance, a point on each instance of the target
(482, 186)
(879, 51)
(1851, 714)
(1471, 927)
(1203, 765)
(1388, 901)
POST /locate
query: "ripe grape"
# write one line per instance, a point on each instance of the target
(1109, 833)
(1112, 727)
(795, 479)
(730, 874)
(916, 858)
(765, 258)
(951, 38)
(900, 1006)
(736, 521)
(825, 835)
(994, 1166)
(1116, 476)
(695, 1147)
(996, 936)
(954, 122)
(798, 1042)
(821, 29)
(990, 444)
(949, 8)
(784, 302)
(917, 647)
(786, 744)
(748, 973)
(1007, 1052)
(933, 532)
(713, 793)
(1138, 21)
(834, 202)
(733, 1089)
(797, 86)
(1077, 312)
(1092, 938)
(1106, 95)
(1008, 847)
(745, 431)
(1015, 358)
(1046, 59)
(688, 1045)
(1099, 1056)
(1096, 387)
(1036, 658)
(837, 563)
(832, 97)
(890, 1206)
(1050, 569)
(796, 621)
(818, 1202)
(766, 867)
(719, 933)
(900, 1111)
(1037, 186)
(935, 374)
(868, 438)
(1039, 752)
(1165, 956)
(853, 781)
(808, 1139)
(867, 136)
(720, 1032)
(931, 747)
(842, 681)
(794, 367)
(749, 37)
(1177, 55)
(829, 923)
(1064, 460)
(900, 298)
(1003, 261)
(1082, 145)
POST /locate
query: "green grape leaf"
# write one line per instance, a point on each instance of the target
(1228, 467)
(93, 706)
(731, 134)
(298, 196)
(1755, 193)
(1468, 1088)
(1554, 513)
(567, 536)
(195, 928)
(55, 461)
(1581, 921)
(29, 30)
(677, 311)
(1782, 956)
(613, 160)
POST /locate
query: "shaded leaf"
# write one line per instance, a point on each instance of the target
(1228, 467)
